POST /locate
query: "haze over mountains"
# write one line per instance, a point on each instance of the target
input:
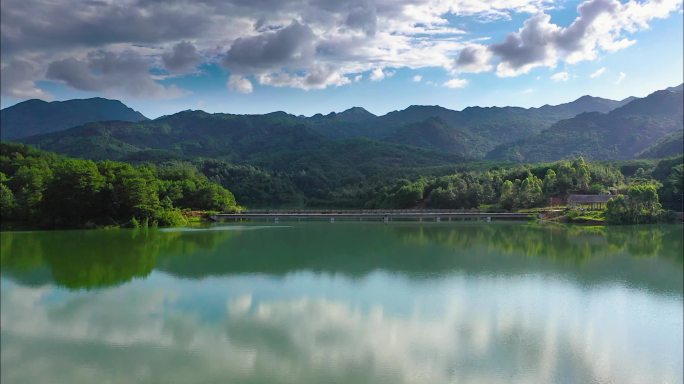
(418, 135)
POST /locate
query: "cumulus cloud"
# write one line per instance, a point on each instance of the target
(317, 78)
(417, 78)
(560, 76)
(455, 83)
(17, 79)
(598, 73)
(474, 58)
(296, 42)
(377, 74)
(620, 78)
(111, 73)
(600, 26)
(287, 41)
(41, 25)
(239, 84)
(290, 46)
(182, 57)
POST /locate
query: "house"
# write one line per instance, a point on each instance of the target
(589, 202)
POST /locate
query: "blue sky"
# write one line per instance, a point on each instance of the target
(310, 56)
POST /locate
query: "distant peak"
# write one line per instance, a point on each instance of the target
(353, 114)
(416, 106)
(356, 111)
(677, 88)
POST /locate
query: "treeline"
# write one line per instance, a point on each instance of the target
(40, 189)
(643, 195)
(501, 188)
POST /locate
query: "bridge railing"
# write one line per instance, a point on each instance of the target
(360, 211)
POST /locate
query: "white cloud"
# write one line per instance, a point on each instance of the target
(560, 76)
(474, 59)
(620, 78)
(318, 78)
(378, 74)
(239, 84)
(296, 43)
(18, 79)
(269, 39)
(417, 78)
(455, 83)
(598, 73)
(600, 27)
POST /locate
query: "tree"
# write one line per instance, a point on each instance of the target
(71, 196)
(7, 202)
(530, 194)
(508, 194)
(582, 176)
(565, 177)
(550, 181)
(28, 185)
(640, 206)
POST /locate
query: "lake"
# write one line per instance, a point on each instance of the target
(344, 302)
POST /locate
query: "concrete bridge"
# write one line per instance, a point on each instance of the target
(360, 215)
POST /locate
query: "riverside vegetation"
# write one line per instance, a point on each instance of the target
(42, 189)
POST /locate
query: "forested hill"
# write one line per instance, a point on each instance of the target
(646, 127)
(472, 132)
(44, 190)
(469, 133)
(33, 117)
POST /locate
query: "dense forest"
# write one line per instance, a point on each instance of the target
(40, 189)
(49, 190)
(135, 171)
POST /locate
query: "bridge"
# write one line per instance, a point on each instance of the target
(360, 215)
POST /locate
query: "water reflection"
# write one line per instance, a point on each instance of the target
(493, 330)
(358, 303)
(646, 256)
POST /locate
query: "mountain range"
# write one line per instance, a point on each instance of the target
(34, 117)
(594, 127)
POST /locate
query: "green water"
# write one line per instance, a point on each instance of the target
(344, 303)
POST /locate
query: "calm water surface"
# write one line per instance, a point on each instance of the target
(344, 303)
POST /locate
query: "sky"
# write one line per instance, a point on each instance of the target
(318, 56)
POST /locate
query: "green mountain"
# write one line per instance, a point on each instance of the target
(670, 145)
(346, 158)
(277, 143)
(34, 117)
(469, 133)
(472, 132)
(617, 135)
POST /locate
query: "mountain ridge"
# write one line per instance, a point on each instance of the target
(623, 133)
(35, 116)
(472, 133)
